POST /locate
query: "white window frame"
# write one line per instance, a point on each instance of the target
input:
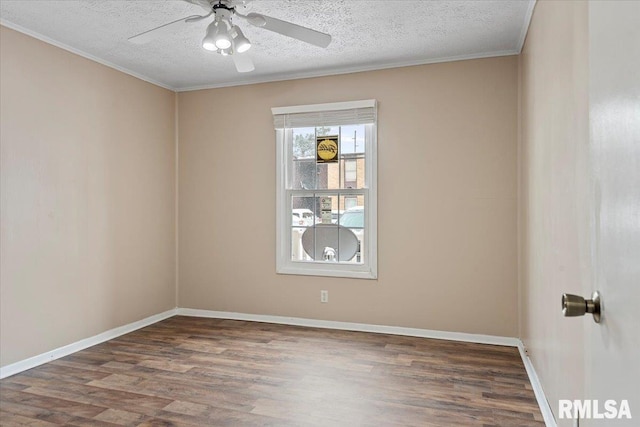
(284, 264)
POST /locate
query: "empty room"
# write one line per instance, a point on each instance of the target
(320, 213)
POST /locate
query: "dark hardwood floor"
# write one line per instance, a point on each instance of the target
(211, 372)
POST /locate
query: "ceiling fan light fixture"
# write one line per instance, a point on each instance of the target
(222, 39)
(240, 42)
(209, 45)
(223, 42)
(209, 41)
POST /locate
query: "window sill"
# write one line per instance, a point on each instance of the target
(327, 272)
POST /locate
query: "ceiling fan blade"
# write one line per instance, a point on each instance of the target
(289, 29)
(197, 18)
(243, 62)
(240, 3)
(154, 33)
(202, 3)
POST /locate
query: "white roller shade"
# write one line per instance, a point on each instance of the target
(334, 114)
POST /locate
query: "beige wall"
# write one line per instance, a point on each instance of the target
(554, 188)
(447, 199)
(87, 198)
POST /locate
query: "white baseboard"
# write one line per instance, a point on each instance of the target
(32, 362)
(40, 359)
(348, 326)
(543, 403)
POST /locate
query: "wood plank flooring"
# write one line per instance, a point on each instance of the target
(209, 372)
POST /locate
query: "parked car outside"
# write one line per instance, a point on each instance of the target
(335, 215)
(303, 217)
(353, 219)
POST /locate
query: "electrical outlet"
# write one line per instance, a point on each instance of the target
(324, 296)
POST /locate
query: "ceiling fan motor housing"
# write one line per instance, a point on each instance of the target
(222, 4)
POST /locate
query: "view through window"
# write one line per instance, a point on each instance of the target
(343, 173)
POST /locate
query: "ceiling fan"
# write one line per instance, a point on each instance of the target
(226, 38)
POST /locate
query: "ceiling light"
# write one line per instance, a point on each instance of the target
(222, 39)
(209, 41)
(240, 42)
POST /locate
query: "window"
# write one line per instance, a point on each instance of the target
(326, 194)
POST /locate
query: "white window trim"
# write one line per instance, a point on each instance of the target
(284, 264)
(331, 106)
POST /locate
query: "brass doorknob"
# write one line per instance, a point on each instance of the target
(575, 305)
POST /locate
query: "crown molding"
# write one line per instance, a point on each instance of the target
(81, 53)
(348, 70)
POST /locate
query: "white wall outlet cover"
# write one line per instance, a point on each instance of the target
(324, 296)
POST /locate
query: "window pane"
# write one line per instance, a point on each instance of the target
(303, 169)
(352, 155)
(304, 174)
(304, 143)
(328, 171)
(353, 219)
(352, 139)
(350, 202)
(328, 176)
(357, 251)
(297, 251)
(302, 218)
(303, 211)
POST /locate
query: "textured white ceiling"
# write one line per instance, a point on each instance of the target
(367, 34)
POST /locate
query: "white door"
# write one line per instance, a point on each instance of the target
(612, 348)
